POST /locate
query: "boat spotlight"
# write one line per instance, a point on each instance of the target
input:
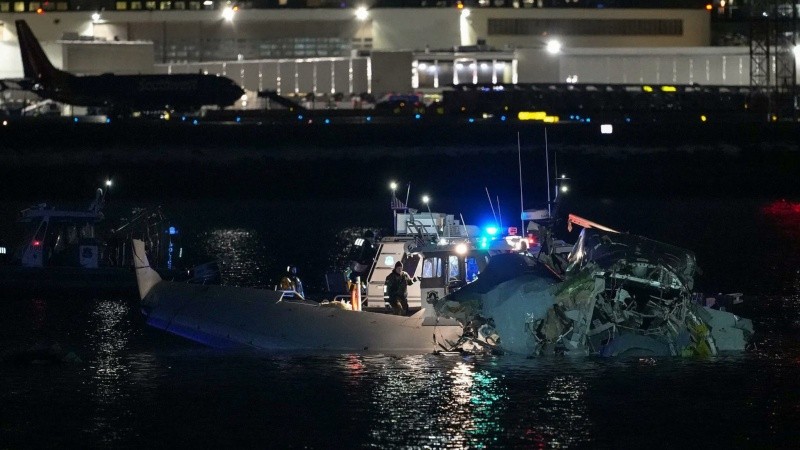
(461, 249)
(362, 13)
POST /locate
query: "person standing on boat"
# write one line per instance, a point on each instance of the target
(291, 282)
(397, 283)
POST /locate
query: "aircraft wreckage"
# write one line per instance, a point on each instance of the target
(614, 294)
(619, 294)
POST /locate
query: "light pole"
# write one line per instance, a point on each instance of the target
(427, 201)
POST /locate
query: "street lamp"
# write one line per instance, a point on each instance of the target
(362, 13)
(427, 201)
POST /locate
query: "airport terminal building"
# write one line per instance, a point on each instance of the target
(315, 49)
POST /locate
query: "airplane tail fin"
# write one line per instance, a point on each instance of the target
(146, 277)
(35, 63)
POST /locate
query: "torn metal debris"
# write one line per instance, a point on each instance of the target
(621, 294)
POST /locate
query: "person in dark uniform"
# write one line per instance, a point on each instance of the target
(397, 284)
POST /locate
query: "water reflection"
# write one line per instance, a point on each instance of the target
(242, 254)
(109, 332)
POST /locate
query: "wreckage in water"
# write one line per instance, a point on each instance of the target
(621, 294)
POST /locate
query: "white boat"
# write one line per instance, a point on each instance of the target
(227, 316)
(441, 252)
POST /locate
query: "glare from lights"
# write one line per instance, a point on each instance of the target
(606, 128)
(109, 183)
(461, 249)
(96, 17)
(465, 12)
(393, 186)
(228, 13)
(553, 47)
(703, 118)
(208, 3)
(422, 66)
(564, 189)
(362, 13)
(796, 51)
(425, 199)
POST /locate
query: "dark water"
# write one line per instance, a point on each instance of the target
(135, 387)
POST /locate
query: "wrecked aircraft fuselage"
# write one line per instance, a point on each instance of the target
(621, 294)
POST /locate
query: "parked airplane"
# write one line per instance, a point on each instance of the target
(184, 92)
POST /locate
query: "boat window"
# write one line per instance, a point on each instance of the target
(472, 268)
(453, 270)
(432, 268)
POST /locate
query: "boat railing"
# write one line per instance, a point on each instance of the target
(419, 230)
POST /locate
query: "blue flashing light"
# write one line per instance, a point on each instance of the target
(503, 118)
(238, 119)
(417, 116)
(75, 119)
(173, 231)
(628, 119)
(484, 242)
(299, 117)
(369, 118)
(471, 120)
(588, 119)
(183, 118)
(491, 231)
(327, 121)
(108, 120)
(194, 122)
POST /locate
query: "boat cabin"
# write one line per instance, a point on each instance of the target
(52, 237)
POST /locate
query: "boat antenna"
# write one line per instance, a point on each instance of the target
(491, 205)
(519, 163)
(408, 192)
(464, 224)
(547, 167)
(499, 214)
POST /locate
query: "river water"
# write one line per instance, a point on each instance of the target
(126, 385)
(135, 387)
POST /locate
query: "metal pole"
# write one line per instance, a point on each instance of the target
(547, 167)
(521, 203)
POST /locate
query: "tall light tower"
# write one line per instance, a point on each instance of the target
(773, 66)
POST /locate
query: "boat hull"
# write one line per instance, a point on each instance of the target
(224, 316)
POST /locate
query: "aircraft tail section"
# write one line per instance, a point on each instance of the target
(35, 63)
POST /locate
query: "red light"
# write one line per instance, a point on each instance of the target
(36, 243)
(531, 240)
(512, 231)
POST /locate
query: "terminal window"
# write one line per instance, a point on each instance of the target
(19, 6)
(5, 7)
(194, 6)
(33, 6)
(121, 6)
(136, 5)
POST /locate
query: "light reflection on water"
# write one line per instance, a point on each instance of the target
(242, 255)
(109, 332)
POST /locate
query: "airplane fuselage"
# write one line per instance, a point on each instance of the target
(143, 92)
